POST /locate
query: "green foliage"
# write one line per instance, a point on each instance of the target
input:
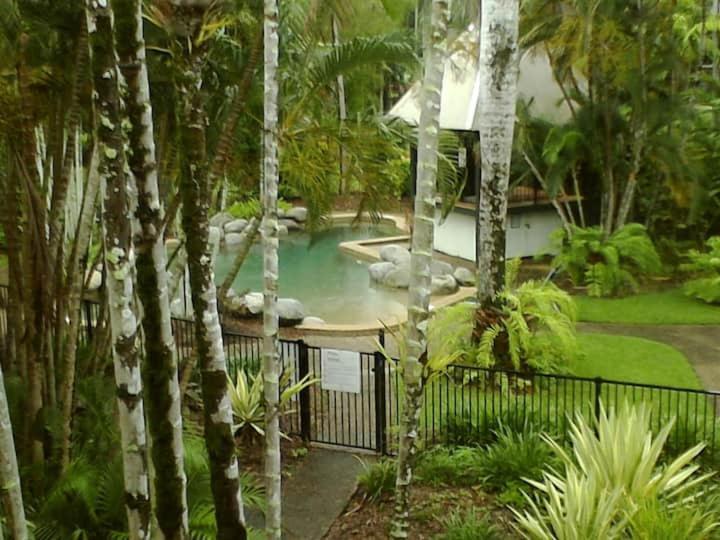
(88, 501)
(250, 208)
(610, 265)
(705, 266)
(513, 458)
(534, 328)
(695, 521)
(469, 525)
(377, 479)
(613, 471)
(248, 401)
(457, 466)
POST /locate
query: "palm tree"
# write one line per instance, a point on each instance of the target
(422, 252)
(160, 367)
(120, 264)
(271, 345)
(9, 475)
(499, 55)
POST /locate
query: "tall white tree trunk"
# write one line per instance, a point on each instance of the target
(10, 490)
(120, 266)
(271, 356)
(160, 368)
(498, 65)
(422, 252)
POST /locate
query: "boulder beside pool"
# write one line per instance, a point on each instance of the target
(251, 306)
(235, 226)
(290, 311)
(297, 213)
(395, 254)
(464, 276)
(443, 285)
(379, 270)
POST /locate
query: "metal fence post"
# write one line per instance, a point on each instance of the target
(304, 370)
(598, 395)
(380, 404)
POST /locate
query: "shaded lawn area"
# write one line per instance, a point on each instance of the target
(632, 359)
(663, 307)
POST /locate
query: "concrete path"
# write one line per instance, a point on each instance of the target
(316, 493)
(700, 344)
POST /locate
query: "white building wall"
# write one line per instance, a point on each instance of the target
(528, 232)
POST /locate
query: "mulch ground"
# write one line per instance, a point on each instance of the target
(431, 505)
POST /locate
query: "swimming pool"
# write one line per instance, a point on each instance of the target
(332, 285)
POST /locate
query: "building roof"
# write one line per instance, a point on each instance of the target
(461, 89)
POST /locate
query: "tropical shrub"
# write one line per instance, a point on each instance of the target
(705, 266)
(469, 525)
(250, 208)
(456, 466)
(248, 401)
(610, 265)
(512, 459)
(614, 471)
(377, 479)
(534, 328)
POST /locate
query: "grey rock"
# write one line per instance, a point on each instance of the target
(443, 285)
(398, 277)
(235, 226)
(233, 239)
(254, 302)
(281, 213)
(378, 271)
(464, 276)
(291, 224)
(219, 220)
(297, 213)
(441, 268)
(282, 230)
(313, 320)
(214, 236)
(395, 254)
(290, 311)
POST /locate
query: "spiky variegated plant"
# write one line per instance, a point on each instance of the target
(613, 471)
(248, 403)
(705, 266)
(607, 265)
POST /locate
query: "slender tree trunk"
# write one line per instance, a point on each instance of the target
(196, 192)
(556, 205)
(578, 196)
(246, 242)
(160, 368)
(342, 108)
(10, 490)
(499, 55)
(271, 345)
(119, 265)
(75, 275)
(422, 252)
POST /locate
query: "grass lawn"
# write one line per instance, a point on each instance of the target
(665, 307)
(634, 359)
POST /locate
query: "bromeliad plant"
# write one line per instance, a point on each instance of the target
(248, 403)
(705, 266)
(612, 475)
(607, 265)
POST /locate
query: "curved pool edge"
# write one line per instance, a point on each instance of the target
(363, 329)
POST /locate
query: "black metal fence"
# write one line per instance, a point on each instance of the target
(464, 405)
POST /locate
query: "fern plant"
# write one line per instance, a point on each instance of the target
(533, 329)
(610, 265)
(705, 267)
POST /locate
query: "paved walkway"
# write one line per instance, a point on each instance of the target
(700, 344)
(316, 493)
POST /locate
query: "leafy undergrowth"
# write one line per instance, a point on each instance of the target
(669, 306)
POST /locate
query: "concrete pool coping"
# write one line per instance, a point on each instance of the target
(368, 250)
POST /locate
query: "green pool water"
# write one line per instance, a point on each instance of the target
(331, 284)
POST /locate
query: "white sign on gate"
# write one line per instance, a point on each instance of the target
(340, 371)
